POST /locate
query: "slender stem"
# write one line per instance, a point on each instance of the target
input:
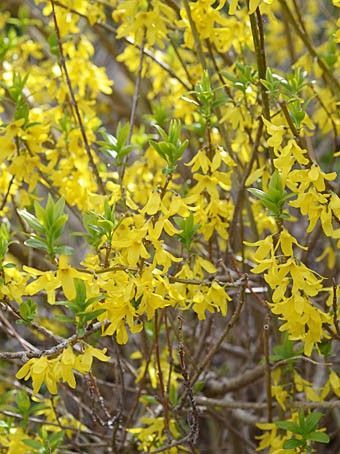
(112, 30)
(301, 140)
(134, 102)
(182, 62)
(258, 40)
(335, 308)
(206, 361)
(267, 369)
(199, 49)
(256, 24)
(164, 398)
(75, 104)
(7, 193)
(194, 428)
(334, 84)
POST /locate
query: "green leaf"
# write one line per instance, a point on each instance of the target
(275, 182)
(53, 43)
(302, 420)
(320, 437)
(36, 244)
(28, 310)
(23, 402)
(87, 316)
(9, 265)
(325, 348)
(289, 426)
(32, 221)
(33, 443)
(65, 250)
(293, 443)
(80, 289)
(257, 193)
(312, 420)
(55, 439)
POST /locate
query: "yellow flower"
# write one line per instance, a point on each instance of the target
(49, 281)
(83, 362)
(65, 277)
(286, 241)
(41, 371)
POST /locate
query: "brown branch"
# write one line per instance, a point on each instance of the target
(199, 49)
(3, 204)
(258, 40)
(218, 387)
(233, 404)
(163, 396)
(6, 306)
(335, 308)
(134, 104)
(193, 423)
(53, 351)
(112, 30)
(334, 84)
(74, 103)
(214, 387)
(267, 368)
(205, 363)
(50, 423)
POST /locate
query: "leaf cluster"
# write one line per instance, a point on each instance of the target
(305, 428)
(289, 89)
(245, 75)
(47, 225)
(171, 148)
(49, 442)
(285, 350)
(27, 311)
(274, 198)
(206, 98)
(16, 92)
(117, 147)
(99, 227)
(188, 230)
(81, 307)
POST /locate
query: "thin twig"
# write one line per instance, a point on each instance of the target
(334, 84)
(53, 351)
(199, 49)
(266, 352)
(205, 363)
(194, 428)
(7, 193)
(75, 104)
(233, 404)
(134, 102)
(163, 395)
(335, 308)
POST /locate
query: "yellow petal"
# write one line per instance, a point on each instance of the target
(24, 370)
(67, 284)
(99, 354)
(253, 4)
(206, 265)
(153, 204)
(233, 6)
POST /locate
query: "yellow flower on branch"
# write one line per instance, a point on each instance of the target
(49, 281)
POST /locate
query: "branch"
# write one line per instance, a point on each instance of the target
(307, 42)
(205, 363)
(53, 351)
(75, 104)
(147, 53)
(233, 404)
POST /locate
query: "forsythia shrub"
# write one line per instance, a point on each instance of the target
(169, 226)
